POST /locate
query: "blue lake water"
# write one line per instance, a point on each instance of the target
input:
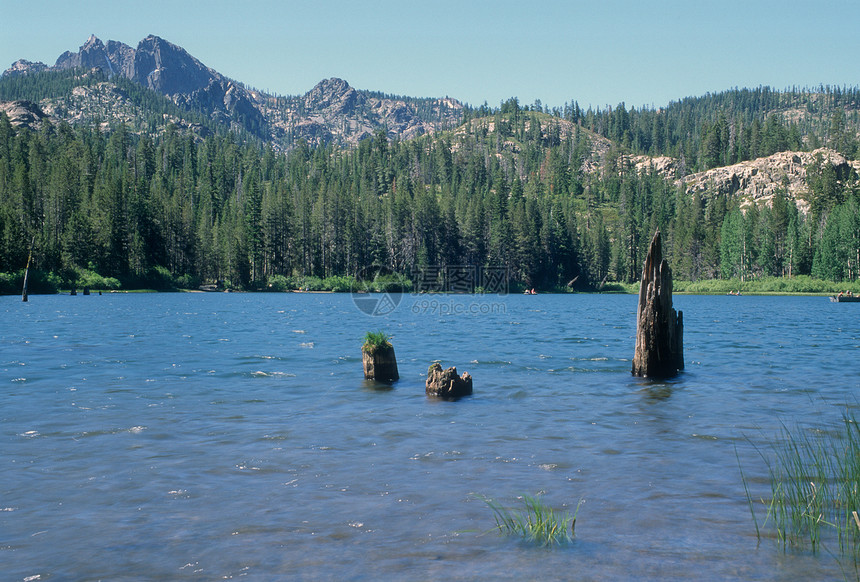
(216, 436)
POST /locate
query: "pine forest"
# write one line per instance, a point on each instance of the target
(553, 196)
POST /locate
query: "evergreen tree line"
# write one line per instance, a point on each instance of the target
(138, 208)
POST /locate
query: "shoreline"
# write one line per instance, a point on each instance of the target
(435, 294)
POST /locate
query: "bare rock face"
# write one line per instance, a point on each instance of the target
(659, 330)
(757, 181)
(446, 383)
(333, 111)
(333, 96)
(23, 113)
(752, 181)
(169, 69)
(156, 63)
(114, 59)
(24, 67)
(663, 166)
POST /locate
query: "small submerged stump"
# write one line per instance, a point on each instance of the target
(380, 363)
(446, 383)
(659, 330)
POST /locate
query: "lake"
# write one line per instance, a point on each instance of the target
(213, 436)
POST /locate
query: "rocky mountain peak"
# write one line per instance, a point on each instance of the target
(333, 85)
(93, 54)
(24, 67)
(93, 43)
(168, 68)
(332, 111)
(334, 95)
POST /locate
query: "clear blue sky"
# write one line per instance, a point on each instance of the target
(598, 52)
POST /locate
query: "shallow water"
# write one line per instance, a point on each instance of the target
(206, 436)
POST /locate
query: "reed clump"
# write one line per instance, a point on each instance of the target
(815, 489)
(535, 522)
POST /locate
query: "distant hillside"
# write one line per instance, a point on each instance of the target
(89, 98)
(700, 133)
(733, 126)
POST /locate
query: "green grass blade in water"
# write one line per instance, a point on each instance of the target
(536, 522)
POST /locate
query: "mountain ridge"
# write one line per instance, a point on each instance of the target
(331, 112)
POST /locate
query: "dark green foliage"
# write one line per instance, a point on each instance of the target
(37, 282)
(733, 126)
(46, 84)
(171, 210)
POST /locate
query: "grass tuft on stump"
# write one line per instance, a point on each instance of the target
(376, 340)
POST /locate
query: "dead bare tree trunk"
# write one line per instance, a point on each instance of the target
(659, 330)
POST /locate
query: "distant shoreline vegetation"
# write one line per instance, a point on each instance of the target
(52, 283)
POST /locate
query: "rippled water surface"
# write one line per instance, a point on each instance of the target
(210, 436)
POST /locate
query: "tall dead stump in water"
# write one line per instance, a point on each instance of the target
(380, 364)
(659, 330)
(378, 358)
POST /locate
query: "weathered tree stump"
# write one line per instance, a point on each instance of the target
(380, 364)
(659, 330)
(446, 383)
